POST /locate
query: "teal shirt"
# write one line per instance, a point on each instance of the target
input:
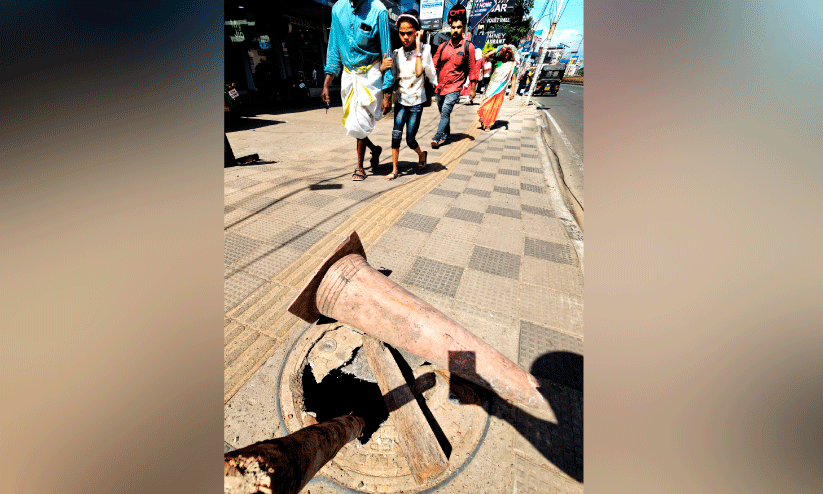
(352, 46)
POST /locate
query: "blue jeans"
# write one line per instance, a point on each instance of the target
(410, 117)
(445, 104)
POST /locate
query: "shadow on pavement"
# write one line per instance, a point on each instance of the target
(245, 123)
(561, 378)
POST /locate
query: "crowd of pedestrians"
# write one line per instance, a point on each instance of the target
(374, 77)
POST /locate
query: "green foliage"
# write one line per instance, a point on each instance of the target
(580, 72)
(520, 26)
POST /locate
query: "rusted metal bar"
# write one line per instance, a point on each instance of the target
(285, 465)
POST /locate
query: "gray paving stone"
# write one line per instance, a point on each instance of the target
(445, 193)
(237, 287)
(506, 190)
(495, 262)
(399, 263)
(563, 278)
(537, 341)
(488, 292)
(530, 155)
(490, 159)
(536, 210)
(485, 175)
(510, 157)
(465, 215)
(403, 240)
(270, 262)
(290, 212)
(316, 199)
(265, 228)
(228, 209)
(419, 222)
(532, 188)
(477, 192)
(549, 308)
(469, 162)
(506, 171)
(507, 146)
(531, 169)
(257, 203)
(457, 176)
(527, 145)
(450, 250)
(510, 213)
(236, 246)
(241, 183)
(549, 251)
(459, 229)
(435, 276)
(299, 238)
(360, 195)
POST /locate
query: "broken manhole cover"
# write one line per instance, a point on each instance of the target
(326, 374)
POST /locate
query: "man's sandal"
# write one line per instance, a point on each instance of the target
(358, 175)
(392, 176)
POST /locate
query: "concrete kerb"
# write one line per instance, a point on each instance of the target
(559, 157)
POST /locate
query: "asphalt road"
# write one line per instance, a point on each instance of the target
(567, 110)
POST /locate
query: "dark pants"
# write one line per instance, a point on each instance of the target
(445, 103)
(410, 117)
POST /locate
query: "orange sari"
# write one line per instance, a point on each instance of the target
(498, 83)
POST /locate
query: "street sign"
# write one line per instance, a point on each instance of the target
(431, 14)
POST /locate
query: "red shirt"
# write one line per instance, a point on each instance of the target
(452, 69)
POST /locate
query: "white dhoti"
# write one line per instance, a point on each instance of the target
(362, 93)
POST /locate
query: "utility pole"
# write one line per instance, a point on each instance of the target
(543, 54)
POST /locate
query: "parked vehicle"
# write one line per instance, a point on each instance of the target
(550, 78)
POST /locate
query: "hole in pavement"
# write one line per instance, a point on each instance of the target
(340, 394)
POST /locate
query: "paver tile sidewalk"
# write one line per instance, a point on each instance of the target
(475, 236)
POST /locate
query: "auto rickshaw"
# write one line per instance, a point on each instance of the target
(549, 80)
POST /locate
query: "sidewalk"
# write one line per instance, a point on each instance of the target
(475, 236)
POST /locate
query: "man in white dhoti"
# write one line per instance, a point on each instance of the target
(360, 47)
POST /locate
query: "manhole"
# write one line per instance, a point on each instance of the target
(326, 374)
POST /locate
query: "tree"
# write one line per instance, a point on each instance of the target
(520, 25)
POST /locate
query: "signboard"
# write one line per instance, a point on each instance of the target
(431, 14)
(496, 36)
(479, 11)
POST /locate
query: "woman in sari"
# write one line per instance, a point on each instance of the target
(502, 78)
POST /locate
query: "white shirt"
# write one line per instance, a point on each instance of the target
(409, 91)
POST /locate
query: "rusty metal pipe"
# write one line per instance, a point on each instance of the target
(348, 289)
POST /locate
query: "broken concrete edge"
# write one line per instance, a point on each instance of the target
(320, 479)
(304, 305)
(572, 203)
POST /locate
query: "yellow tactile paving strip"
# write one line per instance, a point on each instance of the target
(257, 325)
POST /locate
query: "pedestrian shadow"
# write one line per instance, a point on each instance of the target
(500, 124)
(561, 383)
(244, 123)
(406, 168)
(455, 138)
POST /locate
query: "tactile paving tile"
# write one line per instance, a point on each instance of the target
(506, 190)
(457, 176)
(299, 238)
(536, 210)
(532, 188)
(495, 262)
(316, 200)
(506, 171)
(485, 175)
(546, 353)
(489, 292)
(360, 195)
(526, 145)
(490, 159)
(241, 183)
(435, 276)
(510, 158)
(236, 246)
(465, 215)
(257, 203)
(548, 251)
(270, 264)
(237, 287)
(530, 155)
(477, 192)
(445, 193)
(532, 169)
(469, 162)
(419, 222)
(511, 213)
(511, 147)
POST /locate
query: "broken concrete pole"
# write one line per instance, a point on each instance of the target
(346, 288)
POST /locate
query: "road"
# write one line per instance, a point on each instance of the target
(567, 110)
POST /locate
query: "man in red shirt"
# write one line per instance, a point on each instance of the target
(454, 62)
